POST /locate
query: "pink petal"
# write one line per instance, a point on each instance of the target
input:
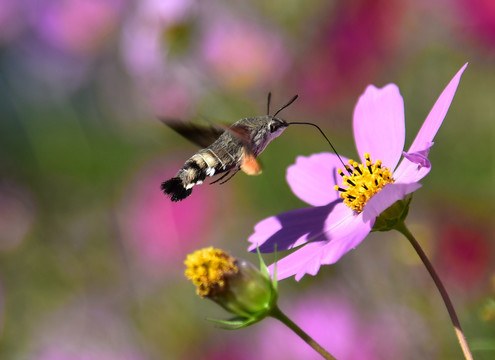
(344, 236)
(386, 197)
(263, 231)
(420, 157)
(289, 229)
(379, 124)
(312, 178)
(349, 235)
(302, 261)
(296, 227)
(437, 114)
(409, 171)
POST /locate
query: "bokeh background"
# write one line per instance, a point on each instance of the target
(91, 252)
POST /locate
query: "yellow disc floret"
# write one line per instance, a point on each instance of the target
(363, 181)
(208, 268)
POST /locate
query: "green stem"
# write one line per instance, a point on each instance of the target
(279, 315)
(443, 292)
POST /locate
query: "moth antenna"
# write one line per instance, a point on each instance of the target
(321, 131)
(268, 103)
(283, 107)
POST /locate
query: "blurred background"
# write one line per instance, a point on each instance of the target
(91, 252)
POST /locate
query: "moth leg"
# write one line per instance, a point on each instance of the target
(230, 177)
(220, 178)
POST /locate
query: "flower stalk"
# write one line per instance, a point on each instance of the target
(401, 227)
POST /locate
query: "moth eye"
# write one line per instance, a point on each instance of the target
(273, 127)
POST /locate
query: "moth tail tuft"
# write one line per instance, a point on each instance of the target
(175, 189)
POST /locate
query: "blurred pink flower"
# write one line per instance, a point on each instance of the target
(2, 307)
(243, 55)
(171, 101)
(57, 57)
(53, 74)
(160, 233)
(12, 20)
(143, 47)
(464, 255)
(331, 228)
(79, 27)
(358, 41)
(17, 214)
(477, 17)
(168, 85)
(347, 332)
(214, 47)
(333, 322)
(83, 331)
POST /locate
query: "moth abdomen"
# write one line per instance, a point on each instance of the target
(174, 188)
(192, 173)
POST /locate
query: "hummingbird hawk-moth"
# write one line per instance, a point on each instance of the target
(226, 150)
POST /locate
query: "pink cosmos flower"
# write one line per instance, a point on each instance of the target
(330, 228)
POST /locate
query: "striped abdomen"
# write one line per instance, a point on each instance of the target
(204, 163)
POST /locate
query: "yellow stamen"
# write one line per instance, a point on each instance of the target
(208, 268)
(364, 181)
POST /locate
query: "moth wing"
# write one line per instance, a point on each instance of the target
(241, 132)
(201, 135)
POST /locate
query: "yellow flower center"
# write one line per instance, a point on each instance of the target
(208, 268)
(363, 181)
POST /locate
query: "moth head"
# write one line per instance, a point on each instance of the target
(270, 129)
(275, 127)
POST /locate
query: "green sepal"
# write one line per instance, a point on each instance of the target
(264, 268)
(394, 215)
(234, 323)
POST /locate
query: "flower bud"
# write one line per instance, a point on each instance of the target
(234, 284)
